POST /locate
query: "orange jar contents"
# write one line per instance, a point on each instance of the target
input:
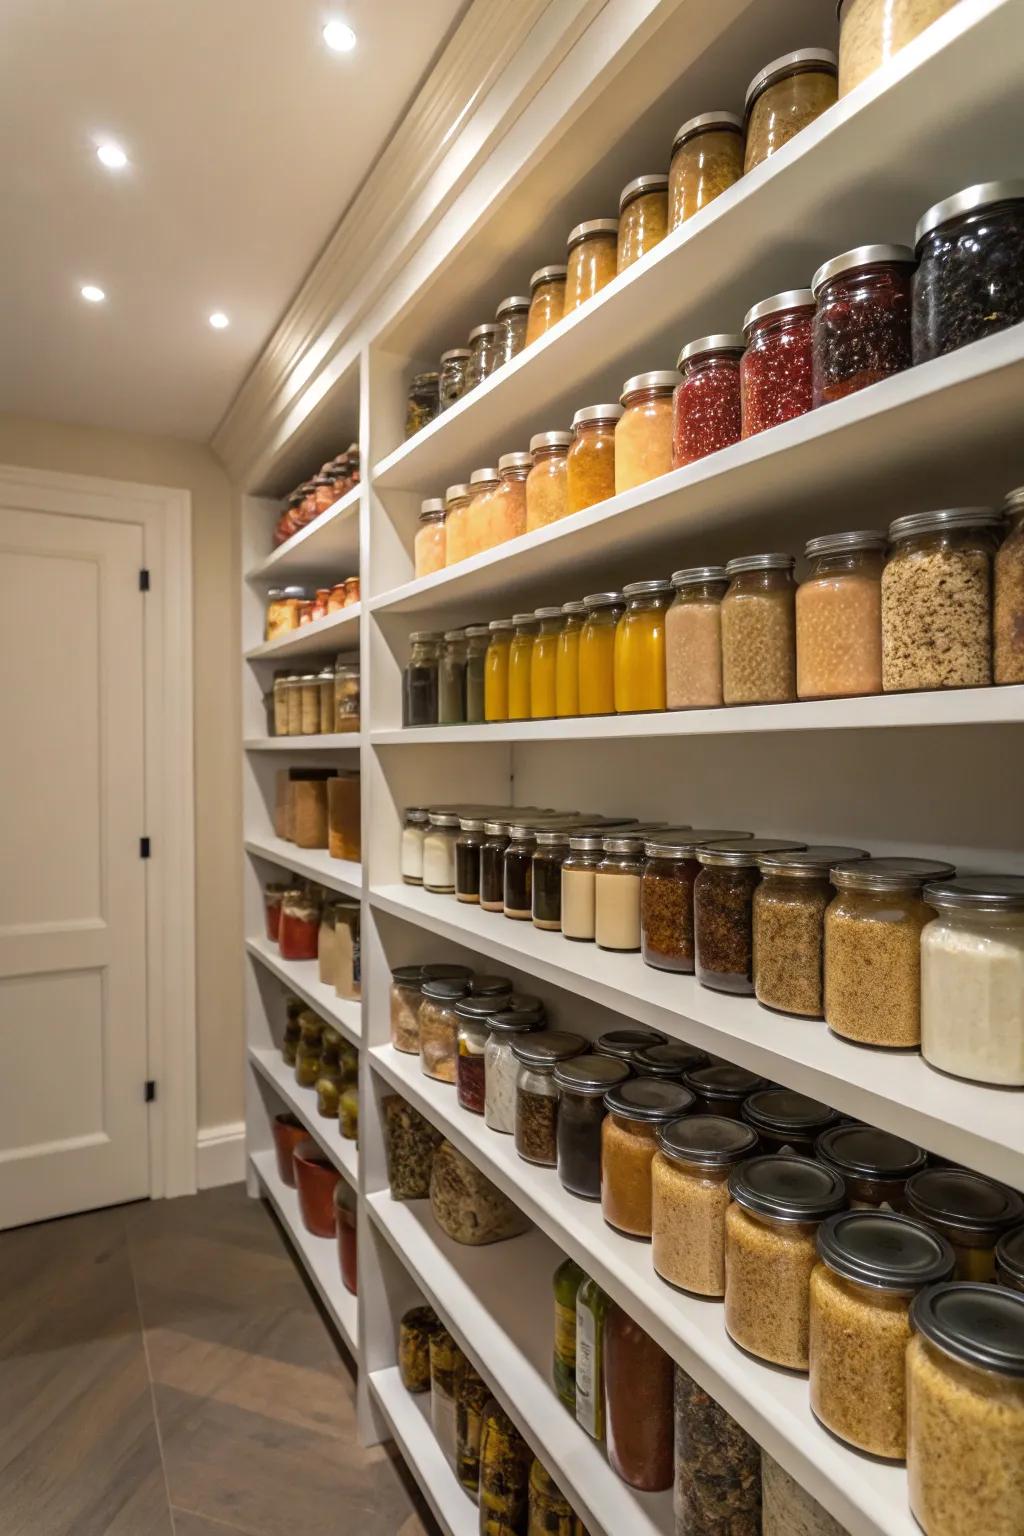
(506, 506)
(457, 499)
(593, 260)
(496, 670)
(547, 301)
(520, 665)
(637, 1110)
(639, 661)
(483, 487)
(643, 436)
(590, 465)
(839, 617)
(429, 543)
(597, 652)
(567, 661)
(547, 484)
(543, 661)
(707, 157)
(643, 218)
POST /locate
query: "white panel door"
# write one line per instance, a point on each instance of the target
(73, 1045)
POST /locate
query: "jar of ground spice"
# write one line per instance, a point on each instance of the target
(970, 1211)
(592, 260)
(439, 1027)
(643, 436)
(839, 617)
(643, 218)
(862, 322)
(404, 999)
(758, 621)
(789, 927)
(617, 894)
(787, 1121)
(637, 1110)
(501, 1069)
(1008, 597)
(693, 639)
(690, 1195)
(723, 910)
(638, 1403)
(706, 413)
(536, 1119)
(1010, 1259)
(439, 852)
(666, 896)
(970, 277)
(597, 652)
(872, 968)
(579, 872)
(590, 465)
(784, 97)
(547, 301)
(582, 1083)
(776, 368)
(547, 484)
(875, 1165)
(452, 376)
(721, 1089)
(551, 850)
(467, 858)
(451, 680)
(707, 158)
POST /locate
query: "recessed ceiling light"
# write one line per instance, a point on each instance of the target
(92, 294)
(339, 37)
(112, 156)
(219, 320)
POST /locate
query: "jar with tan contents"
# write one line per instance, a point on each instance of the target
(547, 301)
(643, 435)
(617, 894)
(592, 260)
(643, 218)
(872, 1265)
(693, 639)
(789, 927)
(871, 32)
(875, 1165)
(784, 97)
(707, 158)
(787, 1509)
(405, 998)
(771, 1228)
(456, 530)
(1008, 597)
(637, 1110)
(439, 1028)
(759, 631)
(429, 543)
(839, 617)
(690, 1196)
(590, 465)
(579, 874)
(547, 484)
(506, 506)
(970, 1211)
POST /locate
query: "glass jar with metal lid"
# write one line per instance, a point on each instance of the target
(501, 1069)
(484, 354)
(623, 1044)
(439, 1028)
(723, 910)
(872, 1265)
(965, 1410)
(478, 640)
(871, 32)
(690, 1195)
(784, 97)
(1008, 597)
(643, 435)
(496, 669)
(439, 852)
(592, 260)
(538, 1053)
(706, 408)
(468, 527)
(567, 661)
(414, 830)
(506, 515)
(590, 465)
(617, 894)
(972, 979)
(473, 1015)
(639, 650)
(1010, 1259)
(970, 277)
(511, 316)
(637, 1111)
(492, 866)
(693, 639)
(666, 896)
(420, 678)
(670, 1059)
(758, 621)
(861, 327)
(722, 1089)
(937, 600)
(771, 1227)
(282, 616)
(874, 1164)
(872, 967)
(583, 1082)
(551, 850)
(707, 158)
(786, 1121)
(309, 705)
(325, 688)
(839, 617)
(547, 301)
(421, 404)
(643, 218)
(404, 1000)
(456, 529)
(579, 870)
(969, 1211)
(429, 543)
(547, 484)
(517, 867)
(597, 652)
(520, 659)
(467, 858)
(452, 377)
(451, 691)
(776, 368)
(789, 927)
(543, 658)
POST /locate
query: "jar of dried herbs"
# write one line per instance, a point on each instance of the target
(415, 1330)
(787, 1121)
(789, 927)
(582, 1083)
(637, 1111)
(439, 1028)
(484, 354)
(707, 158)
(690, 1195)
(410, 1142)
(970, 277)
(723, 911)
(969, 1210)
(875, 1165)
(511, 316)
(501, 1069)
(446, 1365)
(404, 1002)
(670, 869)
(536, 1115)
(717, 1467)
(504, 1475)
(471, 1398)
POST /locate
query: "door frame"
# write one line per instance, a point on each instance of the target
(165, 516)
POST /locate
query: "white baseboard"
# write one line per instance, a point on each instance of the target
(220, 1155)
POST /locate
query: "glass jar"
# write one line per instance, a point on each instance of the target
(467, 859)
(484, 485)
(511, 316)
(839, 617)
(309, 705)
(348, 1112)
(592, 260)
(970, 279)
(293, 705)
(414, 1333)
(875, 1165)
(707, 158)
(965, 1410)
(786, 1121)
(439, 852)
(298, 934)
(972, 980)
(337, 601)
(590, 464)
(1008, 598)
(789, 927)
(421, 404)
(456, 528)
(567, 661)
(770, 1250)
(776, 368)
(542, 663)
(579, 871)
(623, 1044)
(346, 695)
(718, 1469)
(861, 330)
(546, 879)
(871, 32)
(723, 911)
(693, 639)
(637, 1111)
(872, 1265)
(787, 1509)
(420, 679)
(506, 511)
(617, 880)
(597, 652)
(446, 1365)
(505, 1461)
(582, 1084)
(520, 662)
(784, 97)
(414, 830)
(501, 1069)
(471, 1398)
(429, 543)
(591, 1309)
(308, 1051)
(283, 604)
(496, 668)
(452, 377)
(484, 354)
(492, 866)
(638, 1377)
(472, 1040)
(551, 1514)
(722, 1089)
(478, 638)
(451, 686)
(643, 435)
(404, 1003)
(970, 1211)
(566, 1281)
(547, 484)
(643, 218)
(517, 873)
(325, 683)
(547, 301)
(873, 949)
(409, 1144)
(937, 600)
(536, 1116)
(439, 1028)
(689, 1198)
(639, 650)
(292, 1030)
(279, 695)
(273, 896)
(706, 412)
(671, 1059)
(758, 619)
(1010, 1259)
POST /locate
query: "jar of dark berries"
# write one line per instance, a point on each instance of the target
(862, 322)
(706, 406)
(775, 373)
(970, 278)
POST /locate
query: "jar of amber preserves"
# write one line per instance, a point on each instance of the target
(639, 655)
(643, 218)
(592, 260)
(759, 631)
(520, 664)
(429, 543)
(597, 652)
(470, 531)
(643, 434)
(511, 317)
(506, 507)
(839, 617)
(567, 661)
(543, 660)
(706, 409)
(707, 157)
(547, 301)
(591, 461)
(784, 97)
(547, 484)
(456, 533)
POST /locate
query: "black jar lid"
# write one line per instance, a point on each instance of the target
(862, 1151)
(591, 1075)
(710, 1141)
(478, 1009)
(809, 863)
(546, 1047)
(957, 1197)
(787, 1188)
(743, 854)
(782, 1111)
(884, 1251)
(407, 975)
(509, 1023)
(624, 1042)
(982, 1325)
(490, 986)
(724, 1081)
(671, 1059)
(445, 972)
(984, 194)
(1010, 1254)
(445, 991)
(523, 1002)
(649, 1099)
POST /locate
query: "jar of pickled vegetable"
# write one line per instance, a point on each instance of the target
(839, 617)
(758, 619)
(520, 664)
(643, 435)
(590, 465)
(970, 1211)
(547, 484)
(566, 1281)
(861, 329)
(706, 413)
(451, 689)
(639, 652)
(348, 1112)
(504, 1475)
(550, 1511)
(1008, 597)
(506, 508)
(777, 367)
(643, 218)
(496, 665)
(420, 678)
(597, 652)
(446, 1365)
(484, 354)
(723, 910)
(308, 1051)
(875, 1165)
(784, 97)
(471, 1398)
(429, 543)
(543, 658)
(968, 284)
(456, 530)
(690, 1195)
(592, 260)
(420, 408)
(638, 1401)
(452, 376)
(789, 927)
(478, 640)
(414, 1334)
(547, 301)
(567, 661)
(707, 158)
(511, 316)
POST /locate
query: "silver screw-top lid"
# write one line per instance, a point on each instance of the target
(771, 562)
(501, 624)
(483, 476)
(978, 893)
(661, 378)
(646, 588)
(704, 346)
(524, 618)
(937, 522)
(515, 461)
(779, 303)
(432, 507)
(574, 608)
(705, 121)
(552, 612)
(861, 256)
(426, 637)
(591, 227)
(455, 354)
(639, 185)
(556, 273)
(489, 329)
(800, 60)
(891, 874)
(455, 493)
(604, 600)
(984, 194)
(541, 440)
(513, 302)
(697, 575)
(745, 854)
(596, 413)
(845, 543)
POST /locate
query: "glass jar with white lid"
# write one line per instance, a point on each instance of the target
(972, 979)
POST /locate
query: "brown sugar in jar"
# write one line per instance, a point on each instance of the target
(690, 1186)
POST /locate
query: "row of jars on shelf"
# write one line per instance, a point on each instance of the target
(315, 703)
(308, 500)
(289, 608)
(327, 1204)
(324, 1061)
(309, 923)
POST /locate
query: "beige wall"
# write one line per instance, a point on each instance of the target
(194, 468)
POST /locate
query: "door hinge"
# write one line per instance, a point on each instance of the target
(144, 580)
(149, 1092)
(144, 848)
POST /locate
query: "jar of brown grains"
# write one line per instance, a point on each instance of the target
(690, 1196)
(405, 999)
(874, 1164)
(759, 631)
(1008, 600)
(439, 1028)
(970, 1211)
(723, 911)
(787, 1121)
(637, 1110)
(789, 927)
(666, 896)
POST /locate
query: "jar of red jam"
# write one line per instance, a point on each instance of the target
(862, 320)
(299, 930)
(706, 405)
(775, 373)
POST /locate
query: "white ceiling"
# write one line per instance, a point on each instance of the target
(247, 140)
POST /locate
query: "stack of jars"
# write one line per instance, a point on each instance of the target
(289, 608)
(336, 478)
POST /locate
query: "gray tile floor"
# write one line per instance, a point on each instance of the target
(165, 1372)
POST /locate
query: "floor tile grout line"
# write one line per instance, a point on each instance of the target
(227, 1525)
(149, 1376)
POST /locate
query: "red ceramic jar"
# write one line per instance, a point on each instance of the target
(315, 1178)
(345, 1216)
(706, 404)
(288, 1132)
(775, 374)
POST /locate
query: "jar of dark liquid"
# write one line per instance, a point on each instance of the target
(467, 859)
(551, 850)
(420, 678)
(492, 866)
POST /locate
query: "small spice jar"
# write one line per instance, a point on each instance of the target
(786, 1121)
(839, 617)
(666, 896)
(937, 600)
(536, 1117)
(451, 680)
(690, 1196)
(784, 97)
(547, 301)
(414, 1334)
(520, 659)
(873, 949)
(597, 652)
(517, 871)
(639, 652)
(590, 464)
(872, 1265)
(548, 858)
(473, 1014)
(429, 543)
(579, 871)
(617, 894)
(718, 1470)
(439, 852)
(637, 1111)
(420, 678)
(723, 911)
(970, 277)
(492, 866)
(776, 368)
(693, 639)
(875, 1165)
(758, 620)
(970, 1211)
(789, 927)
(965, 1410)
(638, 1377)
(1010, 1259)
(496, 669)
(543, 659)
(707, 159)
(582, 1083)
(567, 661)
(771, 1225)
(404, 1000)
(871, 32)
(643, 435)
(478, 639)
(706, 409)
(547, 484)
(501, 1069)
(415, 822)
(643, 218)
(1007, 600)
(972, 979)
(439, 1027)
(862, 323)
(452, 376)
(722, 1089)
(511, 316)
(421, 403)
(467, 858)
(484, 354)
(592, 260)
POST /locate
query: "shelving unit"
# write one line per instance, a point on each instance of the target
(320, 638)
(329, 543)
(302, 1102)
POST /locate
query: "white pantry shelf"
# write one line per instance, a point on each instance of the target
(315, 863)
(337, 631)
(303, 978)
(341, 741)
(869, 1498)
(302, 1102)
(329, 545)
(895, 1090)
(319, 1255)
(497, 1302)
(408, 1417)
